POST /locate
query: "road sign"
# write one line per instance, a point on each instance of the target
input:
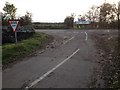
(14, 24)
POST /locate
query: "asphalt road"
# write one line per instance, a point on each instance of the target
(68, 62)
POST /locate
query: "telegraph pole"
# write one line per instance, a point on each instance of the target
(119, 15)
(118, 52)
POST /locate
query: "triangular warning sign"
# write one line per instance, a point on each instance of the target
(14, 24)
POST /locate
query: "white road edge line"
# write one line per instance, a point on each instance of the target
(86, 36)
(46, 74)
(68, 40)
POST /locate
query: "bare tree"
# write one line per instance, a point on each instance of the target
(93, 14)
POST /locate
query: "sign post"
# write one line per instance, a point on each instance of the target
(14, 25)
(15, 36)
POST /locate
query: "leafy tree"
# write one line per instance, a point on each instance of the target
(108, 13)
(26, 20)
(69, 21)
(10, 10)
(4, 20)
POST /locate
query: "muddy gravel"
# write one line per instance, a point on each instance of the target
(106, 49)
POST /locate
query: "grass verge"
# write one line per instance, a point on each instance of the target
(110, 61)
(116, 75)
(12, 52)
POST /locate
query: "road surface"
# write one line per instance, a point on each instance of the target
(70, 61)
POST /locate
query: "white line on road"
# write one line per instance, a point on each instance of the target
(86, 36)
(50, 71)
(68, 40)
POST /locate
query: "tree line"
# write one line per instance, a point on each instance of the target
(103, 16)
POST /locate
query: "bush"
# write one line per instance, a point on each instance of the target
(8, 36)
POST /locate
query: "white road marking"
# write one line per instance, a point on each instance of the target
(86, 36)
(68, 40)
(50, 71)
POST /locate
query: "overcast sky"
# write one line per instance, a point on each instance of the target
(52, 10)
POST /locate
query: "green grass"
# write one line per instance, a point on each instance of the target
(11, 52)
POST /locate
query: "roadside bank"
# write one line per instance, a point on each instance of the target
(15, 52)
(109, 62)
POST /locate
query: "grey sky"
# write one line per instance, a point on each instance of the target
(52, 10)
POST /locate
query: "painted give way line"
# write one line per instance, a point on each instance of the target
(50, 71)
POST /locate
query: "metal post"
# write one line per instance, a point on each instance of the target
(15, 37)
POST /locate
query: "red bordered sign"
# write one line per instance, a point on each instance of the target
(13, 24)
